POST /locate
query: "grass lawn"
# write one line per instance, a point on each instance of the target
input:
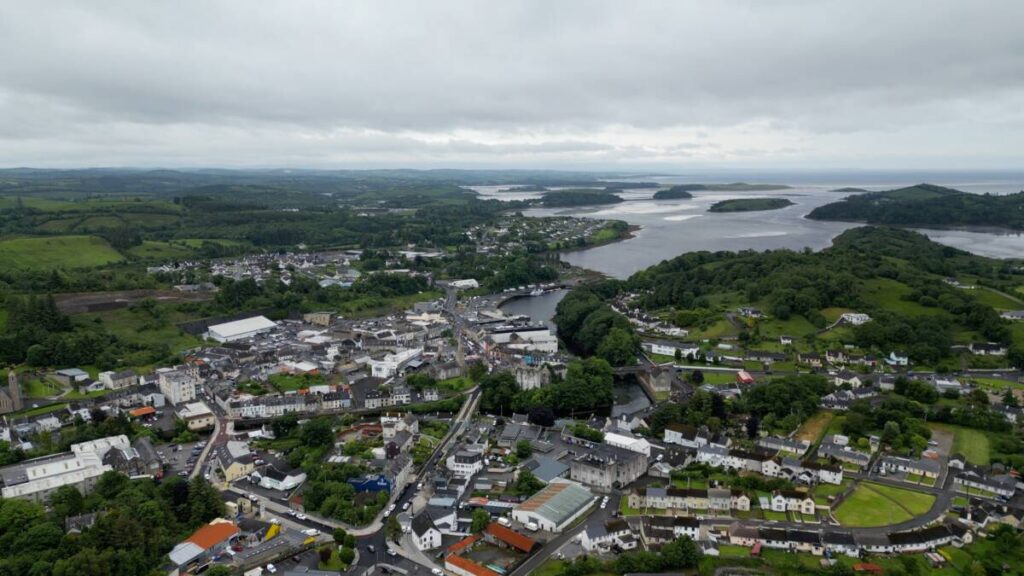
(50, 252)
(457, 384)
(916, 503)
(814, 427)
(973, 444)
(733, 551)
(823, 491)
(43, 409)
(866, 507)
(796, 326)
(719, 377)
(334, 563)
(995, 299)
(773, 515)
(39, 388)
(550, 568)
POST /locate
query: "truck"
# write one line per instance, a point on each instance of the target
(532, 526)
(504, 522)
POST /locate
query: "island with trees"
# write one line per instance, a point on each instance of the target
(579, 197)
(750, 205)
(927, 205)
(674, 193)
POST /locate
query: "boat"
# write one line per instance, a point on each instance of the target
(537, 292)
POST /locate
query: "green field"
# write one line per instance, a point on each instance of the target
(973, 444)
(886, 293)
(823, 491)
(996, 300)
(159, 251)
(796, 326)
(874, 505)
(45, 253)
(814, 427)
(917, 503)
(141, 330)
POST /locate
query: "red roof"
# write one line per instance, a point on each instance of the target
(469, 566)
(144, 411)
(510, 537)
(462, 544)
(212, 534)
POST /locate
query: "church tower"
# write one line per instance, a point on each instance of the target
(14, 389)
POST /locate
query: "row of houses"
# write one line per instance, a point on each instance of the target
(849, 543)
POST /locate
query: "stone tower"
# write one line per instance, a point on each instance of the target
(14, 389)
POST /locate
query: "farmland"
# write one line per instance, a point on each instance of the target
(52, 252)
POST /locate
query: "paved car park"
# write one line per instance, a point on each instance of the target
(180, 459)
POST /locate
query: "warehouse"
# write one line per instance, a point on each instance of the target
(241, 329)
(556, 506)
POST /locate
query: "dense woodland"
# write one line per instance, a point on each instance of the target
(927, 205)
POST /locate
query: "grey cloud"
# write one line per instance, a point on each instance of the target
(324, 82)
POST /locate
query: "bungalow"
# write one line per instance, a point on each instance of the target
(658, 530)
(748, 312)
(987, 349)
(897, 359)
(920, 466)
(786, 340)
(840, 543)
(977, 478)
(811, 359)
(798, 447)
(274, 479)
(765, 356)
(843, 454)
(835, 357)
(855, 318)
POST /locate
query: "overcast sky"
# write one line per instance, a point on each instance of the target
(641, 85)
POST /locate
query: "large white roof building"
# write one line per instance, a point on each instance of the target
(241, 329)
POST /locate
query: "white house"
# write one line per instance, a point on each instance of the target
(855, 318)
(425, 534)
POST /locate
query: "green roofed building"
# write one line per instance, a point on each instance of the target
(556, 506)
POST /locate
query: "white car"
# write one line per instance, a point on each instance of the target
(436, 572)
(271, 568)
(391, 552)
(300, 516)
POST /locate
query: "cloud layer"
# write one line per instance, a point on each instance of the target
(557, 84)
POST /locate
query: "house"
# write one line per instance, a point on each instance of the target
(987, 349)
(425, 534)
(503, 537)
(920, 466)
(669, 348)
(810, 358)
(976, 478)
(465, 463)
(274, 479)
(205, 543)
(81, 468)
(555, 507)
(629, 442)
(684, 435)
(792, 501)
(765, 356)
(855, 318)
(786, 340)
(847, 378)
(897, 359)
(118, 380)
(748, 312)
(611, 534)
(798, 447)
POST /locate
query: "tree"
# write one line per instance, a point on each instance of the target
(619, 347)
(218, 570)
(526, 484)
(697, 377)
(317, 432)
(680, 554)
(477, 371)
(339, 535)
(542, 416)
(678, 356)
(283, 426)
(392, 529)
(481, 519)
(523, 449)
(346, 555)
